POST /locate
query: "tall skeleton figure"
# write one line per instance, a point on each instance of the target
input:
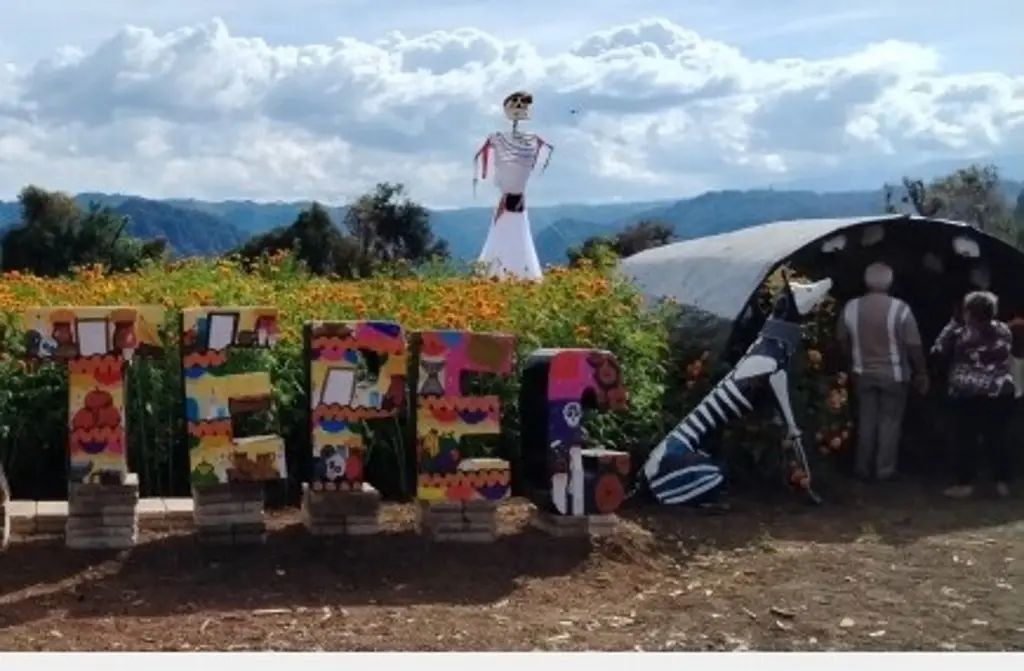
(509, 247)
(678, 471)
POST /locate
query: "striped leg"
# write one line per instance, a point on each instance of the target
(677, 470)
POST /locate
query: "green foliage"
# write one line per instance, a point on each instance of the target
(972, 195)
(55, 235)
(383, 228)
(596, 251)
(388, 227)
(312, 239)
(604, 251)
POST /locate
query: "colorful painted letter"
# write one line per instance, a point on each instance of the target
(444, 414)
(356, 372)
(214, 393)
(557, 384)
(95, 342)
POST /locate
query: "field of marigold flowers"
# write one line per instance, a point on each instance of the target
(571, 308)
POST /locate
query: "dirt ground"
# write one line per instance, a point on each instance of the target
(892, 567)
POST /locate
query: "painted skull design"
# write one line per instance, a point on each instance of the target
(572, 413)
(517, 106)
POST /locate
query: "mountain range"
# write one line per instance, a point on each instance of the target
(195, 227)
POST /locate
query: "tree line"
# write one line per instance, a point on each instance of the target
(383, 226)
(55, 234)
(973, 195)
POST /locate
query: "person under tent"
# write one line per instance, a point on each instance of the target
(879, 334)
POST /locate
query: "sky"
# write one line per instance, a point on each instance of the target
(647, 99)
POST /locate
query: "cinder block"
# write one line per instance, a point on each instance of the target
(23, 517)
(101, 543)
(569, 526)
(455, 521)
(208, 509)
(103, 532)
(151, 509)
(178, 508)
(99, 494)
(51, 509)
(101, 522)
(481, 505)
(228, 493)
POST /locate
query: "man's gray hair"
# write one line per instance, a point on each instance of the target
(878, 277)
(982, 306)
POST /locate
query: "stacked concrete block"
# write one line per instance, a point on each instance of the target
(574, 526)
(102, 516)
(50, 518)
(474, 521)
(329, 512)
(229, 514)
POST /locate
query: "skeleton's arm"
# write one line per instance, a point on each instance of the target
(480, 162)
(541, 144)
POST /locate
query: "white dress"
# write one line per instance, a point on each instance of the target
(509, 246)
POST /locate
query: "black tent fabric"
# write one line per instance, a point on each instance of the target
(935, 263)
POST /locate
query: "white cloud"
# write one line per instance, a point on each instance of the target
(659, 111)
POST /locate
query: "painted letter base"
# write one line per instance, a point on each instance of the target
(339, 512)
(103, 516)
(474, 521)
(229, 514)
(569, 526)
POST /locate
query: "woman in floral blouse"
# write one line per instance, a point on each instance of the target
(982, 388)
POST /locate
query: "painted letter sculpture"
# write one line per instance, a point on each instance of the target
(565, 476)
(509, 246)
(678, 471)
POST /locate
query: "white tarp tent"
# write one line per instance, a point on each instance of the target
(719, 273)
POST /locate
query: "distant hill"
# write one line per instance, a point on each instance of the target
(195, 227)
(188, 232)
(723, 211)
(464, 229)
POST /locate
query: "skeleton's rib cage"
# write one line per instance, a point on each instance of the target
(521, 149)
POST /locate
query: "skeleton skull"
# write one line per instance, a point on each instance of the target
(517, 106)
(572, 413)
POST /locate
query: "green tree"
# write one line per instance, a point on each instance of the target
(387, 226)
(597, 250)
(54, 235)
(604, 251)
(313, 239)
(1018, 211)
(971, 195)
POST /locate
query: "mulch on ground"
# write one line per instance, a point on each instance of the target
(893, 568)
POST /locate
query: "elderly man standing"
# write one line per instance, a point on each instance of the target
(880, 335)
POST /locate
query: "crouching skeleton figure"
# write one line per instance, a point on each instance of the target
(678, 471)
